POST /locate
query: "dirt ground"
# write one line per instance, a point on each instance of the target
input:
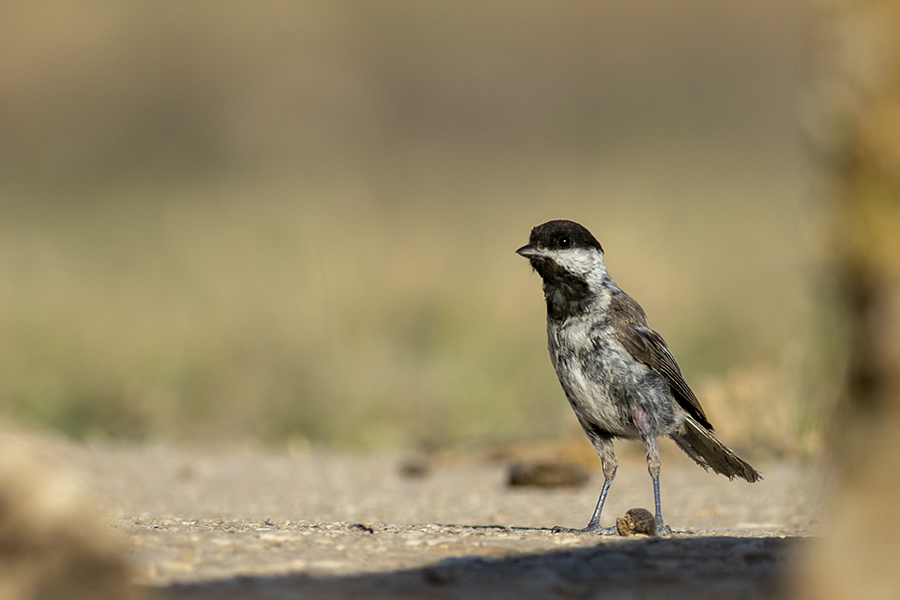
(254, 523)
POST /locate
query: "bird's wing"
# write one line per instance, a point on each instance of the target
(647, 346)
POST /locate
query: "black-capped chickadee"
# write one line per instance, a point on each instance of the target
(617, 373)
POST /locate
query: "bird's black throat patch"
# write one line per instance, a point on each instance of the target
(567, 295)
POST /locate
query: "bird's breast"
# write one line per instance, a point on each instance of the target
(602, 381)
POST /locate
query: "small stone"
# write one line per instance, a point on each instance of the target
(361, 527)
(636, 520)
(415, 467)
(547, 474)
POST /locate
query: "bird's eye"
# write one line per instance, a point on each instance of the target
(564, 242)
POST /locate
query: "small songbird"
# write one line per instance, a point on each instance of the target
(617, 373)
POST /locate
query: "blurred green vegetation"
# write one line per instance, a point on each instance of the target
(296, 222)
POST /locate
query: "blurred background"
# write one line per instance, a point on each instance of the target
(295, 222)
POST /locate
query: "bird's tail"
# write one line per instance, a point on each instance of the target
(702, 446)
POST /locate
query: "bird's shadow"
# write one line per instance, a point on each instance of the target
(640, 567)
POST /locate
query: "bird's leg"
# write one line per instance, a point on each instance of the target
(593, 525)
(653, 465)
(642, 422)
(604, 446)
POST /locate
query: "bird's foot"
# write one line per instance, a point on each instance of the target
(591, 528)
(663, 530)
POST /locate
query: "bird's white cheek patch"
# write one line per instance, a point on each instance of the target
(586, 264)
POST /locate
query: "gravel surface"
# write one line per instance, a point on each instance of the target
(252, 523)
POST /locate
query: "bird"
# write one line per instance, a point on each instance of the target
(618, 375)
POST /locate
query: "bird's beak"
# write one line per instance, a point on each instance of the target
(528, 250)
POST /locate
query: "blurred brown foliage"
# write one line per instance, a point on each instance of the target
(53, 542)
(858, 556)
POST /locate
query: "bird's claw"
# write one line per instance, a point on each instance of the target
(595, 529)
(663, 530)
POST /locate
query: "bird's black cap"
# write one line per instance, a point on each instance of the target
(562, 234)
